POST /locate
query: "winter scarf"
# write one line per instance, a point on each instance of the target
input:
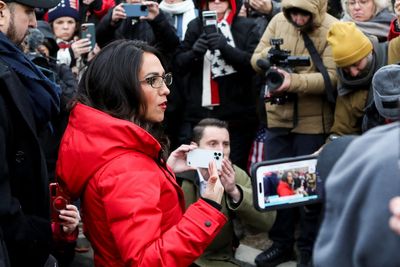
(182, 13)
(215, 66)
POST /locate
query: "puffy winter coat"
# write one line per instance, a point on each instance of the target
(314, 112)
(132, 207)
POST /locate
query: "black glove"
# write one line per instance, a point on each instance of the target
(201, 45)
(216, 41)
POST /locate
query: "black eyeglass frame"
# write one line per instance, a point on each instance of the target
(166, 79)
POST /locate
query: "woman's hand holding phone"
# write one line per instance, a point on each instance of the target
(69, 218)
(214, 190)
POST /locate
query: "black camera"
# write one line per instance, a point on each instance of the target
(273, 79)
(33, 40)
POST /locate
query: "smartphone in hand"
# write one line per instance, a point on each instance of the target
(88, 30)
(285, 183)
(200, 158)
(58, 201)
(209, 21)
(136, 10)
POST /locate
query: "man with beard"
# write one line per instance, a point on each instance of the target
(28, 100)
(357, 58)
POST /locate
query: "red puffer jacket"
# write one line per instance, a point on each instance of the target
(132, 207)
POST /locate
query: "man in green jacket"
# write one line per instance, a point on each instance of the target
(238, 199)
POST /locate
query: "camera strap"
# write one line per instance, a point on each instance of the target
(316, 58)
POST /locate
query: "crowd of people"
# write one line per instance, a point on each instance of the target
(99, 134)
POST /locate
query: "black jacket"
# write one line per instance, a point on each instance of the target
(158, 32)
(237, 95)
(24, 196)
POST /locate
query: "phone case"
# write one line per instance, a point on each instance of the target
(209, 21)
(58, 201)
(89, 29)
(136, 10)
(200, 158)
(267, 183)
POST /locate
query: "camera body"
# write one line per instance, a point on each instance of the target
(281, 59)
(58, 201)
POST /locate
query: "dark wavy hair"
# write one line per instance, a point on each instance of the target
(111, 84)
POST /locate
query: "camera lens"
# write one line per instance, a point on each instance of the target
(274, 80)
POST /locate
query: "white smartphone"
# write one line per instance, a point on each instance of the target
(286, 182)
(200, 158)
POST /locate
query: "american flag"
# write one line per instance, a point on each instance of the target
(257, 149)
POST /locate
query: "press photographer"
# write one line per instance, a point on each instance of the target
(279, 59)
(298, 127)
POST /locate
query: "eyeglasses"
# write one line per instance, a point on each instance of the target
(157, 81)
(361, 3)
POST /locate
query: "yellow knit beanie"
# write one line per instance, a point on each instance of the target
(348, 43)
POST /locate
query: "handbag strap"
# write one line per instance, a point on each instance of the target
(316, 58)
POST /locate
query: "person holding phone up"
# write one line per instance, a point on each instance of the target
(216, 61)
(132, 207)
(153, 28)
(64, 20)
(237, 201)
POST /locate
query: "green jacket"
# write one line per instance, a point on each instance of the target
(220, 251)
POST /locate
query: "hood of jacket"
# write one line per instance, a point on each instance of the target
(91, 140)
(317, 8)
(234, 5)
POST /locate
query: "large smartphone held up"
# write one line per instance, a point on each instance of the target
(200, 158)
(136, 10)
(58, 201)
(286, 182)
(88, 30)
(209, 21)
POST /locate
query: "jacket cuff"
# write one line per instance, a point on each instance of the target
(212, 203)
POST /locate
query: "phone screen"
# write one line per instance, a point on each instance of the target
(286, 183)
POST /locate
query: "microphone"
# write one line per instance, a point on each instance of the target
(263, 64)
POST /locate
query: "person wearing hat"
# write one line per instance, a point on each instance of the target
(28, 102)
(386, 96)
(64, 20)
(357, 58)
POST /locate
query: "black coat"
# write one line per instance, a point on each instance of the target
(24, 194)
(158, 32)
(237, 94)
